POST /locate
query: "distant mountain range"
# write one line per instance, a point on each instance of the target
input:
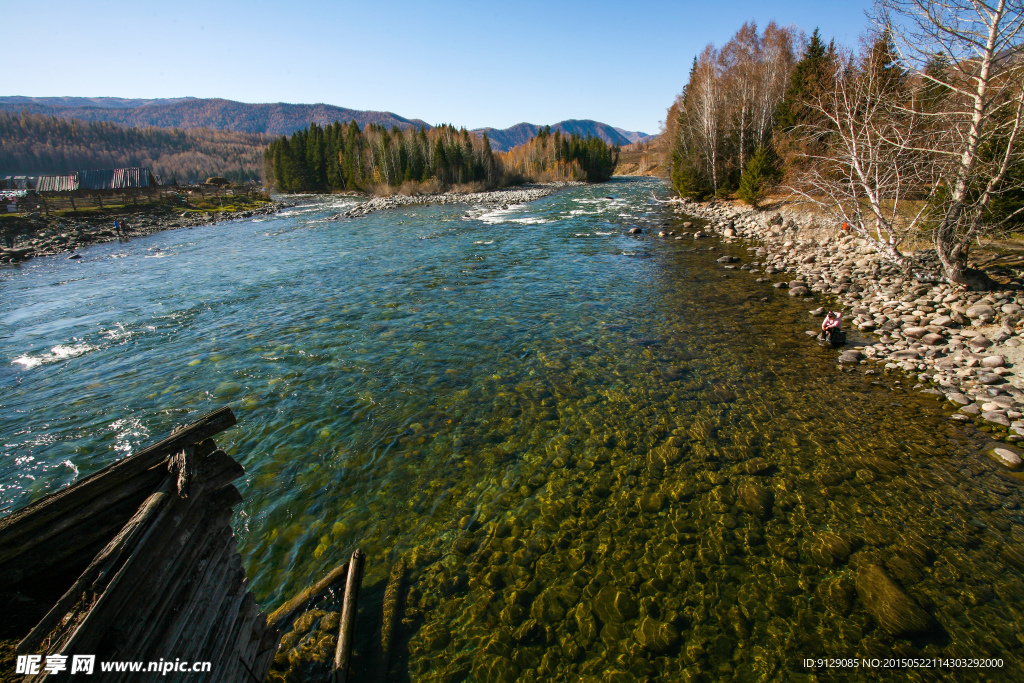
(190, 112)
(506, 138)
(103, 102)
(270, 119)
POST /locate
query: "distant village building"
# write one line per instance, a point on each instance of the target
(10, 199)
(104, 179)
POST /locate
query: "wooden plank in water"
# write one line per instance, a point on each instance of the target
(346, 629)
(283, 615)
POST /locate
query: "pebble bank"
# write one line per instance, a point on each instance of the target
(64, 235)
(504, 198)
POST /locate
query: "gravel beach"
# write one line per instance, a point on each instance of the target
(41, 236)
(519, 195)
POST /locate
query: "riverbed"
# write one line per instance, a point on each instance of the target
(600, 456)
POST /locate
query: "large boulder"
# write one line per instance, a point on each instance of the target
(893, 610)
(756, 500)
(656, 636)
(614, 606)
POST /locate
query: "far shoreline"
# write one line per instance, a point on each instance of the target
(520, 194)
(54, 236)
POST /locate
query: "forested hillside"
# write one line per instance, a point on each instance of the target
(268, 119)
(344, 157)
(553, 155)
(273, 119)
(36, 144)
(916, 134)
(108, 102)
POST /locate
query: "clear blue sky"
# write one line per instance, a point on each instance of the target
(470, 64)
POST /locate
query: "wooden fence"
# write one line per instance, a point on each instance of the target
(77, 201)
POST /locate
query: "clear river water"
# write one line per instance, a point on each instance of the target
(600, 456)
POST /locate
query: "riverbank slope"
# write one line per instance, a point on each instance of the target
(39, 235)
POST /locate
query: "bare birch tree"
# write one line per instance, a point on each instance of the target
(707, 93)
(982, 111)
(739, 58)
(775, 66)
(728, 107)
(877, 158)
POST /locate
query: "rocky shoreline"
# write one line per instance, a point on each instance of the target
(503, 198)
(960, 345)
(40, 236)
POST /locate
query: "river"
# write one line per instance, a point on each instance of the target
(600, 455)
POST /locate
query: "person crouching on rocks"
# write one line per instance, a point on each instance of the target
(832, 324)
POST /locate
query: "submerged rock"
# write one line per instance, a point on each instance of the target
(668, 453)
(656, 636)
(652, 502)
(614, 606)
(893, 610)
(755, 500)
(830, 549)
(837, 594)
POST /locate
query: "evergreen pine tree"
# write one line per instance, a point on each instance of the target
(883, 66)
(809, 75)
(761, 173)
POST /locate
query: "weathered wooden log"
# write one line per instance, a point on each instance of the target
(166, 579)
(282, 616)
(216, 649)
(192, 599)
(73, 542)
(217, 470)
(108, 559)
(211, 542)
(248, 643)
(182, 465)
(343, 652)
(146, 573)
(61, 515)
(389, 623)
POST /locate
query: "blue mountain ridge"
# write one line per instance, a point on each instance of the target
(271, 118)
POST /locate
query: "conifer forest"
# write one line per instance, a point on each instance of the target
(343, 157)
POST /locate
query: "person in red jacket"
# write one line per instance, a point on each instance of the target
(832, 323)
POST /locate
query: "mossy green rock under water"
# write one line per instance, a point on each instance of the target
(614, 606)
(656, 636)
(886, 602)
(756, 500)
